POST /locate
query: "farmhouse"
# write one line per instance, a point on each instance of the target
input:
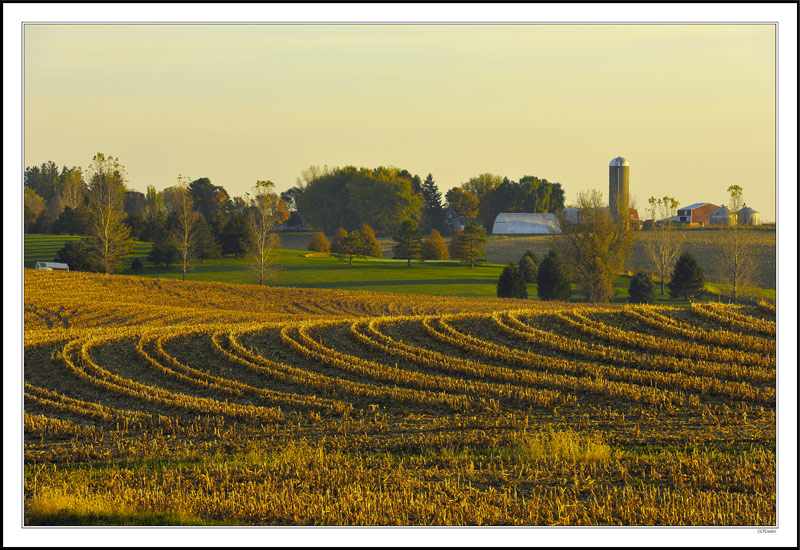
(455, 221)
(50, 266)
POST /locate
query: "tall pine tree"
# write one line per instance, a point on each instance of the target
(511, 283)
(409, 242)
(432, 211)
(553, 279)
(687, 282)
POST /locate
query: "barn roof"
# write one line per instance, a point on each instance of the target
(693, 206)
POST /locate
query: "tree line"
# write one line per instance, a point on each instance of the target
(192, 219)
(385, 197)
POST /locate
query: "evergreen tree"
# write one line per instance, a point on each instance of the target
(434, 247)
(234, 235)
(43, 224)
(467, 245)
(409, 242)
(72, 221)
(687, 281)
(163, 252)
(511, 283)
(642, 289)
(76, 255)
(529, 265)
(206, 246)
(135, 223)
(432, 211)
(553, 279)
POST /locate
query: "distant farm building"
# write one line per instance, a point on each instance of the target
(696, 214)
(722, 216)
(525, 223)
(51, 266)
(748, 216)
(455, 221)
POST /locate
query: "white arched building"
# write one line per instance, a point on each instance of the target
(525, 223)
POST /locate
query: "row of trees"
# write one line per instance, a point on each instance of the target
(329, 198)
(190, 220)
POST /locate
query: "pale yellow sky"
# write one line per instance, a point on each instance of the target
(692, 107)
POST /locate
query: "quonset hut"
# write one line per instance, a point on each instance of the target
(525, 223)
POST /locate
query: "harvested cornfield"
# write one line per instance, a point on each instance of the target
(162, 402)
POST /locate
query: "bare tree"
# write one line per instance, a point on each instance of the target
(664, 247)
(182, 233)
(737, 248)
(595, 246)
(266, 210)
(109, 238)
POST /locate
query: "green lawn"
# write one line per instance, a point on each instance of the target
(298, 270)
(43, 248)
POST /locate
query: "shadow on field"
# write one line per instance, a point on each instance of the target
(391, 282)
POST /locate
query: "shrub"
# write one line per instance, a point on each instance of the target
(319, 243)
(511, 283)
(371, 245)
(136, 265)
(76, 255)
(642, 289)
(553, 279)
(163, 252)
(687, 281)
(434, 247)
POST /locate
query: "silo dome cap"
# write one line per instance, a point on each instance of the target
(619, 161)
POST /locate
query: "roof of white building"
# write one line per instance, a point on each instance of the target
(52, 265)
(525, 223)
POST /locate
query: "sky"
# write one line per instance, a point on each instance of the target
(692, 107)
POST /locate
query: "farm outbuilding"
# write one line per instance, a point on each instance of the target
(525, 223)
(51, 266)
(748, 216)
(697, 213)
(722, 216)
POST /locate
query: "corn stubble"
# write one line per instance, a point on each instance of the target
(202, 403)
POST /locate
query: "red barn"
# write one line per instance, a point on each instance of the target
(697, 213)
